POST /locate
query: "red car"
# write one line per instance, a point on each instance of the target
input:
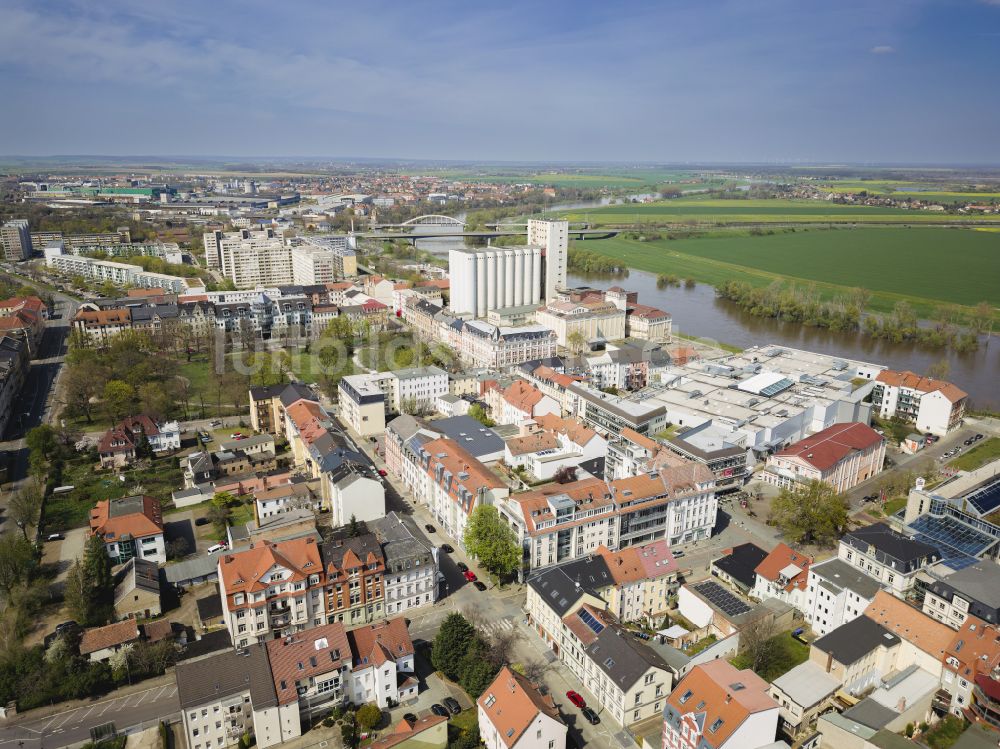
(382, 472)
(470, 576)
(576, 699)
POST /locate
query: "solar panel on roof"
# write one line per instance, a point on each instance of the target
(722, 599)
(773, 389)
(958, 544)
(986, 499)
(591, 621)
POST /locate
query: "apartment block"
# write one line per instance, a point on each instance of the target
(15, 239)
(934, 406)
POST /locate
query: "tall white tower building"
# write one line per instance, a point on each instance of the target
(553, 238)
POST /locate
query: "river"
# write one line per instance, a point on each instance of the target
(699, 312)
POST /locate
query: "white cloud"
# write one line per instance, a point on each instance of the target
(883, 49)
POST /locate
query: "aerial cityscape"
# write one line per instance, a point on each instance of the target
(525, 377)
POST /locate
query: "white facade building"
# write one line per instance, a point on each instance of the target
(553, 238)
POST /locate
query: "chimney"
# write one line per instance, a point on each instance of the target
(729, 698)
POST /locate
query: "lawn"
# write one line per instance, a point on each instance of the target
(983, 453)
(72, 510)
(944, 733)
(894, 263)
(710, 211)
(893, 506)
(790, 653)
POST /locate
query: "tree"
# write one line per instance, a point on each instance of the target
(476, 672)
(119, 399)
(565, 475)
(477, 412)
(76, 594)
(451, 644)
(759, 644)
(576, 341)
(355, 529)
(220, 513)
(815, 513)
(368, 716)
(17, 560)
(101, 583)
(982, 318)
(939, 370)
(25, 507)
(492, 541)
(83, 382)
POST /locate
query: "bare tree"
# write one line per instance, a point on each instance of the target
(758, 643)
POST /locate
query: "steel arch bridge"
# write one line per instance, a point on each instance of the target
(433, 219)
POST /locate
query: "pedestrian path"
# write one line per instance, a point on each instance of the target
(501, 625)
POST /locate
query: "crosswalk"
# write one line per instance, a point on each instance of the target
(501, 625)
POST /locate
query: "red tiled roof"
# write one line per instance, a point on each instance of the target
(827, 448)
(99, 638)
(244, 571)
(375, 644)
(148, 522)
(780, 557)
(523, 396)
(306, 655)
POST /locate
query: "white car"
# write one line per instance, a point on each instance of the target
(216, 548)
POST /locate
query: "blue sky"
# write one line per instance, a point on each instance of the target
(706, 80)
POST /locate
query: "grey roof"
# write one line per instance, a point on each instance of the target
(125, 506)
(976, 737)
(842, 575)
(741, 563)
(807, 684)
(474, 438)
(676, 659)
(199, 566)
(979, 584)
(852, 641)
(243, 444)
(886, 739)
(225, 675)
(413, 372)
(870, 713)
(557, 589)
(846, 724)
(210, 607)
(405, 426)
(137, 574)
(400, 540)
(210, 643)
(263, 392)
(623, 657)
(295, 391)
(890, 546)
(591, 572)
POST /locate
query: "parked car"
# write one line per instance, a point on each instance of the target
(470, 576)
(446, 548)
(439, 710)
(70, 626)
(216, 548)
(576, 699)
(479, 584)
(440, 577)
(215, 423)
(382, 472)
(55, 537)
(430, 528)
(452, 704)
(462, 566)
(591, 716)
(236, 436)
(410, 718)
(978, 437)
(201, 521)
(678, 554)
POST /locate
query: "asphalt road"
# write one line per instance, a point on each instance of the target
(73, 725)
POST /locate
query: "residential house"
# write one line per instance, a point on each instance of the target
(843, 456)
(717, 706)
(887, 555)
(13, 370)
(971, 673)
(268, 404)
(971, 591)
(549, 444)
(514, 714)
(802, 694)
(923, 640)
(353, 494)
(410, 565)
(272, 589)
(783, 574)
(836, 593)
(130, 527)
(118, 446)
(362, 404)
(858, 654)
(382, 670)
(355, 577)
(933, 405)
(523, 402)
(738, 566)
(278, 500)
(566, 521)
(100, 643)
(645, 578)
(430, 732)
(311, 670)
(137, 590)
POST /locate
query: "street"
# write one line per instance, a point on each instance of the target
(73, 725)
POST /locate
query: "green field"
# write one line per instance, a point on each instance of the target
(696, 211)
(925, 266)
(983, 453)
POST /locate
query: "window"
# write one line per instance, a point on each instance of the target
(686, 696)
(716, 725)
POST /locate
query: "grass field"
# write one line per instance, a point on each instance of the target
(894, 263)
(790, 653)
(983, 453)
(716, 212)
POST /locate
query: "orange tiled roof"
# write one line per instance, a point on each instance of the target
(910, 624)
(380, 643)
(244, 571)
(641, 440)
(572, 429)
(457, 460)
(976, 648)
(780, 557)
(94, 318)
(111, 527)
(532, 443)
(511, 703)
(635, 563)
(306, 655)
(523, 396)
(913, 381)
(713, 684)
(404, 731)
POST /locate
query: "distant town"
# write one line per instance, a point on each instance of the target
(365, 459)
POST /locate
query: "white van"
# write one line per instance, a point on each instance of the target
(216, 548)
